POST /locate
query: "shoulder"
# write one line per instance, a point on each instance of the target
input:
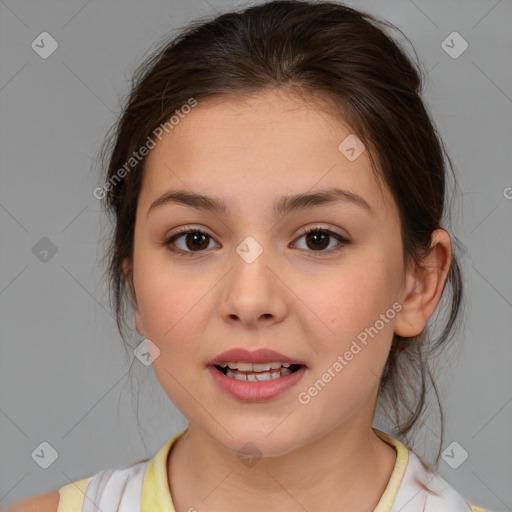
(69, 498)
(48, 502)
(110, 489)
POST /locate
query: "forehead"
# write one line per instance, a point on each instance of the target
(267, 143)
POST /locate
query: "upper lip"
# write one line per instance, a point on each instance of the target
(261, 355)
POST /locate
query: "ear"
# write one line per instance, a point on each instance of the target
(424, 286)
(128, 275)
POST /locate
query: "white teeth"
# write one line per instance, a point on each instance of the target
(254, 367)
(254, 377)
(263, 376)
(261, 367)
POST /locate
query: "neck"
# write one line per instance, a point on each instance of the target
(349, 468)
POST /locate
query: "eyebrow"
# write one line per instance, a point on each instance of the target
(282, 206)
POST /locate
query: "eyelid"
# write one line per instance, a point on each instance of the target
(308, 229)
(189, 228)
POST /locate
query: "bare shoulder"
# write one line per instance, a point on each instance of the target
(48, 502)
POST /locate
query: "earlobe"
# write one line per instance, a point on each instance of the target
(424, 285)
(128, 275)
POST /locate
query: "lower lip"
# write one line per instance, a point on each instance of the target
(259, 391)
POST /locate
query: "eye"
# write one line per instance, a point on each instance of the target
(193, 239)
(196, 241)
(318, 239)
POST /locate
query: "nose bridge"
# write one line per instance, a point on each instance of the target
(251, 277)
(252, 290)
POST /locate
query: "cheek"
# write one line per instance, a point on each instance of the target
(176, 308)
(351, 298)
(168, 296)
(173, 315)
(353, 320)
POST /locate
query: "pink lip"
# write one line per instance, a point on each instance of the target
(259, 391)
(262, 355)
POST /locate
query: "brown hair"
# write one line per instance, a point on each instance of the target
(316, 49)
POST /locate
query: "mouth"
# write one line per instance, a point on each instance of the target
(255, 376)
(257, 372)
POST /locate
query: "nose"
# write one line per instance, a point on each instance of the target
(253, 294)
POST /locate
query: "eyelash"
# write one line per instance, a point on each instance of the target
(184, 231)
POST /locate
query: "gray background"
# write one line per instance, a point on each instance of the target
(63, 368)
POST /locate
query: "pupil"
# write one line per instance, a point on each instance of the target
(194, 237)
(321, 234)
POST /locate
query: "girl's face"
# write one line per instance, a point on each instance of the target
(254, 280)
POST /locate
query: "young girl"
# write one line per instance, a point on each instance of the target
(277, 188)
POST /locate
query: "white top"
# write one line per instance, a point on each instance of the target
(143, 487)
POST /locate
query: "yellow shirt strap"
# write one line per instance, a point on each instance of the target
(402, 458)
(155, 488)
(72, 496)
(477, 509)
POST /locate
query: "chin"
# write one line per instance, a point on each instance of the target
(248, 439)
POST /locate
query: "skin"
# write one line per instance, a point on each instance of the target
(293, 298)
